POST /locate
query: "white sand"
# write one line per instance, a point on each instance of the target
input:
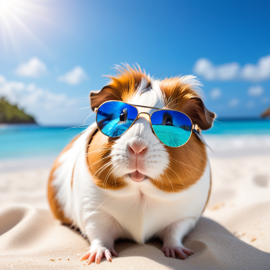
(233, 234)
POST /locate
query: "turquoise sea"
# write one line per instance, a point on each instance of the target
(28, 141)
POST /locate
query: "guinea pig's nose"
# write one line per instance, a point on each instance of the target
(137, 149)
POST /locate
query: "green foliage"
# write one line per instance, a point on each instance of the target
(12, 114)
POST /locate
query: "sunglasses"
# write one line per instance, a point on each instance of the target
(172, 128)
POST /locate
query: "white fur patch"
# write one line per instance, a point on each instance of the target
(157, 158)
(152, 96)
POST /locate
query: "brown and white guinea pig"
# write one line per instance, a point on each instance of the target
(93, 186)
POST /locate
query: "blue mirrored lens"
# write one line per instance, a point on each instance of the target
(171, 127)
(114, 118)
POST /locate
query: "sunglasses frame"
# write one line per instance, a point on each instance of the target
(194, 127)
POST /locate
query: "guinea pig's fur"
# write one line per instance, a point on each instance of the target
(91, 187)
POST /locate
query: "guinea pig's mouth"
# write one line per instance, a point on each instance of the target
(137, 176)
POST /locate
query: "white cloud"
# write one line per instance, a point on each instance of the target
(232, 71)
(73, 77)
(255, 91)
(259, 72)
(215, 93)
(234, 102)
(33, 68)
(203, 67)
(43, 104)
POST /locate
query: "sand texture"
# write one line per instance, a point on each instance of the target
(234, 232)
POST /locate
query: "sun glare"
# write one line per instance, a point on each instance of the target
(5, 5)
(8, 7)
(21, 20)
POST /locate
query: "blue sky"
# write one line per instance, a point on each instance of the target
(53, 52)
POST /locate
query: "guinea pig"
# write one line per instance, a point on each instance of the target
(134, 186)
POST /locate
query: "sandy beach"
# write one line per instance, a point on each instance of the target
(234, 232)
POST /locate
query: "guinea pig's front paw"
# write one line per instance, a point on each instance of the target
(98, 253)
(181, 251)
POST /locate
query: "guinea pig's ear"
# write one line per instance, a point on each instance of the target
(98, 97)
(198, 113)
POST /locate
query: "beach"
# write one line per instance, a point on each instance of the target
(233, 233)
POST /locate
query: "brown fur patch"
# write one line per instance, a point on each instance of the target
(98, 160)
(188, 162)
(176, 94)
(181, 97)
(186, 167)
(121, 87)
(55, 207)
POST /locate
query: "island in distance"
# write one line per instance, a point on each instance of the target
(11, 114)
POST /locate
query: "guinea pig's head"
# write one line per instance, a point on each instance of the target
(138, 155)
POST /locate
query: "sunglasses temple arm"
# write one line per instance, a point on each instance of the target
(200, 137)
(196, 131)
